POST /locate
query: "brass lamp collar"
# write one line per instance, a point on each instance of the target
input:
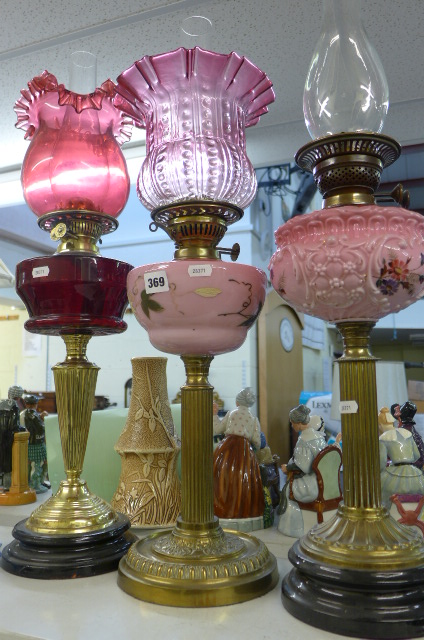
(347, 167)
(77, 231)
(197, 227)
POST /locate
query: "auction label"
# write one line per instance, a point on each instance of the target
(196, 270)
(156, 281)
(348, 406)
(40, 272)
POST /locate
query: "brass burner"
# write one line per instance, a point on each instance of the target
(347, 167)
(196, 227)
(77, 231)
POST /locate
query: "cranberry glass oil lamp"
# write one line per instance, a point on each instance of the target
(195, 105)
(352, 263)
(75, 180)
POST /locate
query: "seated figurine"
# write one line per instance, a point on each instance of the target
(305, 487)
(37, 453)
(238, 491)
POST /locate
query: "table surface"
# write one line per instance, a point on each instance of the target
(91, 608)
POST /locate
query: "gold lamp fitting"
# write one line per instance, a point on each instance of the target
(197, 227)
(77, 231)
(347, 167)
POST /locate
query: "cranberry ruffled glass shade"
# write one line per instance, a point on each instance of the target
(74, 161)
(195, 106)
(196, 306)
(350, 263)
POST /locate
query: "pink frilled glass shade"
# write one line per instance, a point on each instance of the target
(193, 313)
(350, 263)
(195, 106)
(74, 161)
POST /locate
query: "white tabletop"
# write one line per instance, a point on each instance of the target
(91, 608)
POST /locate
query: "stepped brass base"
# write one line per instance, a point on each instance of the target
(36, 555)
(203, 568)
(385, 603)
(72, 510)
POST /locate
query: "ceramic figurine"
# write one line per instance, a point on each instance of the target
(9, 425)
(238, 491)
(386, 420)
(37, 452)
(305, 487)
(16, 393)
(404, 414)
(218, 429)
(402, 476)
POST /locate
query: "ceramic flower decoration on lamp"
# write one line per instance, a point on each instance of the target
(352, 263)
(75, 180)
(195, 105)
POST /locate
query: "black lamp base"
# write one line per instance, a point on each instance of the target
(358, 603)
(48, 556)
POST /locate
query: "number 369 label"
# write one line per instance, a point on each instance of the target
(156, 281)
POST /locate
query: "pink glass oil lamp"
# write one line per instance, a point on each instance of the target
(195, 105)
(352, 263)
(75, 180)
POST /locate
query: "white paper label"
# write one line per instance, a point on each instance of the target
(196, 270)
(156, 281)
(348, 406)
(40, 272)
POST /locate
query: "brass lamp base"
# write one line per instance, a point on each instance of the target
(360, 573)
(74, 533)
(207, 567)
(197, 564)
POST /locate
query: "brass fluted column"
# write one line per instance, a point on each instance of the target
(361, 475)
(197, 443)
(73, 509)
(75, 382)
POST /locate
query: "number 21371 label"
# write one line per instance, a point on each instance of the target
(156, 281)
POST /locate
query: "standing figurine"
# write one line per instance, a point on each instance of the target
(238, 491)
(9, 425)
(16, 393)
(404, 414)
(402, 476)
(305, 486)
(37, 453)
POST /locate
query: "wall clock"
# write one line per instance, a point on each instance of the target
(286, 334)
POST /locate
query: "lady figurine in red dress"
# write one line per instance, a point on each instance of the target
(238, 491)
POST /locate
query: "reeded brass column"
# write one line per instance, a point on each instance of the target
(361, 474)
(75, 381)
(73, 509)
(197, 443)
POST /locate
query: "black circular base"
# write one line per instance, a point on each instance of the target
(55, 556)
(355, 602)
